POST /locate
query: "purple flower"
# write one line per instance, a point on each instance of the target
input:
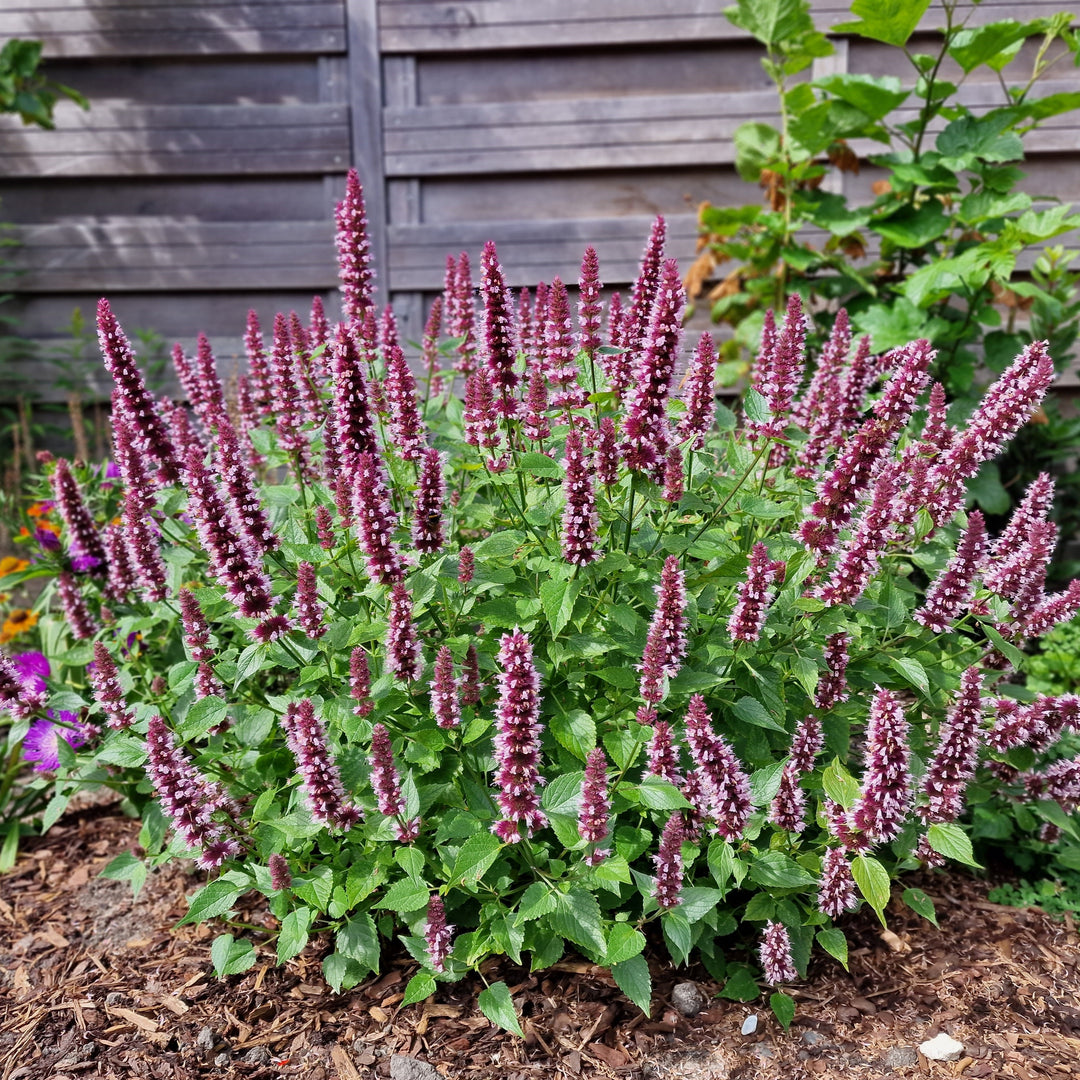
(663, 761)
(776, 963)
(517, 740)
(318, 324)
(478, 416)
(209, 405)
(1054, 609)
(673, 476)
(324, 527)
(83, 625)
(500, 334)
(832, 686)
(287, 399)
(579, 517)
(669, 864)
(470, 677)
(427, 525)
(445, 701)
(41, 743)
(376, 522)
(466, 565)
(85, 541)
(188, 799)
(957, 754)
(352, 410)
(665, 644)
(387, 785)
(836, 889)
(18, 694)
(752, 607)
(404, 656)
(280, 877)
(534, 423)
(429, 342)
(700, 413)
(937, 434)
(1059, 781)
(196, 629)
(34, 668)
(320, 779)
(593, 818)
(885, 796)
(778, 370)
(954, 589)
(819, 403)
(256, 355)
(309, 609)
(788, 811)
(354, 251)
(726, 786)
(240, 489)
(360, 682)
(438, 934)
(636, 319)
(121, 572)
(149, 430)
(460, 310)
(46, 539)
(405, 422)
(108, 693)
(560, 357)
(607, 453)
(1029, 512)
(589, 303)
(618, 366)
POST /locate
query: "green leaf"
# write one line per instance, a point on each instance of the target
(772, 22)
(204, 714)
(678, 933)
(563, 794)
(538, 465)
(912, 670)
(577, 918)
(913, 227)
(576, 731)
(755, 407)
(496, 1005)
(876, 96)
(921, 904)
(558, 599)
(127, 867)
(989, 44)
(212, 900)
(406, 895)
(988, 491)
(872, 880)
(657, 794)
(750, 711)
(623, 943)
(341, 973)
(231, 957)
(622, 677)
(840, 785)
(474, 859)
(504, 542)
(890, 21)
(538, 900)
(765, 783)
(969, 139)
(359, 940)
(294, 933)
(740, 986)
(249, 663)
(834, 943)
(420, 987)
(951, 841)
(774, 869)
(698, 901)
(633, 979)
(783, 1008)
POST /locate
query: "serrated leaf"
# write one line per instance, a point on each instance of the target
(623, 943)
(633, 979)
(657, 794)
(475, 858)
(698, 901)
(495, 1003)
(204, 714)
(341, 973)
(577, 918)
(840, 785)
(538, 900)
(359, 940)
(538, 465)
(783, 1008)
(405, 895)
(249, 663)
(678, 933)
(294, 933)
(212, 900)
(231, 957)
(420, 987)
(912, 670)
(774, 869)
(834, 943)
(890, 21)
(563, 794)
(765, 783)
(127, 867)
(951, 841)
(557, 598)
(740, 986)
(750, 711)
(872, 881)
(576, 731)
(921, 904)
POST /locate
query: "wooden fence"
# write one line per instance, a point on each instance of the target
(202, 180)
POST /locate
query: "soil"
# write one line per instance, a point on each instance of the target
(94, 983)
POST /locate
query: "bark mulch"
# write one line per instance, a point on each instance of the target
(96, 984)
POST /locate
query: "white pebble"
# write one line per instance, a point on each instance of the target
(942, 1048)
(749, 1025)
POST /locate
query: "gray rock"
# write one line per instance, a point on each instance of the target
(811, 1038)
(258, 1055)
(207, 1039)
(222, 1060)
(900, 1057)
(113, 997)
(761, 1050)
(410, 1068)
(688, 998)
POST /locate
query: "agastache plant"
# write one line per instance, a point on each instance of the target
(595, 656)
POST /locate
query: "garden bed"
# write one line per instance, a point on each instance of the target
(94, 984)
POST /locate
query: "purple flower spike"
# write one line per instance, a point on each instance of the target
(320, 779)
(210, 405)
(445, 700)
(957, 754)
(241, 490)
(700, 413)
(832, 686)
(324, 527)
(41, 743)
(836, 889)
(149, 430)
(726, 786)
(196, 629)
(428, 534)
(818, 404)
(287, 376)
(673, 476)
(776, 963)
(669, 864)
(517, 740)
(665, 644)
(752, 607)
(360, 682)
(83, 625)
(280, 876)
(479, 417)
(663, 761)
(466, 565)
(560, 356)
(405, 422)
(778, 370)
(954, 589)
(188, 799)
(1031, 511)
(885, 797)
(593, 819)
(937, 434)
(108, 693)
(788, 811)
(534, 423)
(309, 608)
(438, 934)
(636, 319)
(121, 572)
(354, 251)
(470, 677)
(404, 656)
(255, 349)
(500, 333)
(352, 409)
(579, 515)
(387, 785)
(1053, 610)
(590, 307)
(85, 540)
(461, 313)
(376, 522)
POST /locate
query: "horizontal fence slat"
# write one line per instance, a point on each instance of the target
(178, 28)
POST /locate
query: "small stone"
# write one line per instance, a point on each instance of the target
(900, 1057)
(222, 1060)
(942, 1048)
(207, 1039)
(811, 1038)
(258, 1055)
(749, 1025)
(113, 997)
(763, 1051)
(403, 1067)
(688, 998)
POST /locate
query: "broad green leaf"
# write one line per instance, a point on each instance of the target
(558, 599)
(231, 957)
(420, 987)
(474, 859)
(495, 1003)
(538, 900)
(359, 940)
(765, 783)
(876, 96)
(921, 904)
(750, 711)
(249, 662)
(912, 670)
(633, 979)
(623, 942)
(772, 22)
(212, 900)
(989, 44)
(658, 794)
(405, 895)
(294, 933)
(698, 901)
(576, 731)
(341, 973)
(968, 139)
(840, 785)
(127, 867)
(834, 943)
(740, 985)
(873, 882)
(678, 933)
(202, 716)
(563, 794)
(890, 21)
(755, 407)
(538, 465)
(774, 869)
(913, 227)
(783, 1008)
(577, 918)
(951, 841)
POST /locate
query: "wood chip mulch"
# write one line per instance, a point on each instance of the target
(94, 984)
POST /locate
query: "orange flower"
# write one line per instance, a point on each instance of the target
(19, 620)
(49, 526)
(11, 564)
(39, 509)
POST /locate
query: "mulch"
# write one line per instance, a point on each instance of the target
(96, 984)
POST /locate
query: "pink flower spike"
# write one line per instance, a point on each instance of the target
(957, 754)
(589, 304)
(428, 533)
(579, 520)
(404, 656)
(836, 889)
(535, 424)
(466, 565)
(700, 415)
(376, 522)
(438, 934)
(387, 785)
(663, 761)
(665, 644)
(669, 864)
(320, 778)
(593, 819)
(885, 797)
(752, 607)
(108, 693)
(954, 589)
(360, 681)
(354, 251)
(788, 811)
(309, 608)
(470, 678)
(776, 963)
(280, 877)
(445, 699)
(673, 476)
(726, 785)
(832, 686)
(405, 422)
(83, 625)
(500, 331)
